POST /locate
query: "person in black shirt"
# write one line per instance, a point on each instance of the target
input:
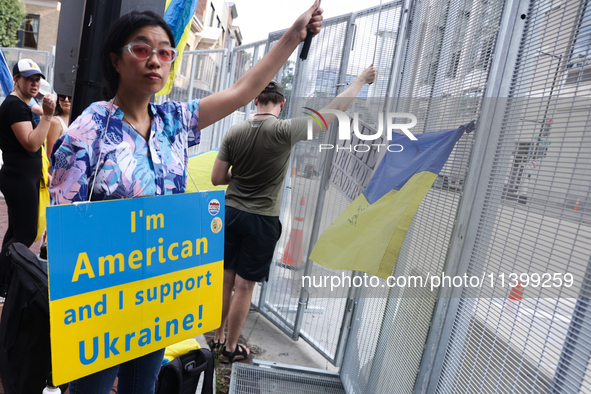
(21, 139)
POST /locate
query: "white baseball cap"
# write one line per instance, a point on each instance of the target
(45, 88)
(26, 68)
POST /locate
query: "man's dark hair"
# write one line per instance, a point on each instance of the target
(120, 31)
(266, 97)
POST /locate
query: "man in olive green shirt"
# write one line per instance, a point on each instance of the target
(258, 151)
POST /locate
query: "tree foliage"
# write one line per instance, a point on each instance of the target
(12, 13)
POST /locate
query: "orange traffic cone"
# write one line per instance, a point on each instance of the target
(513, 302)
(292, 257)
(294, 168)
(576, 208)
(516, 293)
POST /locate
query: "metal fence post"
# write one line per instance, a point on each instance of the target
(568, 378)
(192, 77)
(224, 84)
(255, 54)
(50, 65)
(248, 107)
(400, 51)
(221, 126)
(297, 80)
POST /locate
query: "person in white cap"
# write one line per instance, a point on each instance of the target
(44, 89)
(21, 139)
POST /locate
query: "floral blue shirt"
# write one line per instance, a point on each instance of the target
(128, 165)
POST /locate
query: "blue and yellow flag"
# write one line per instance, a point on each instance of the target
(368, 235)
(5, 75)
(178, 15)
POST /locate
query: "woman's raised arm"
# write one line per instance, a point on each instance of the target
(219, 105)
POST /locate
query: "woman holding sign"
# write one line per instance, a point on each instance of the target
(128, 147)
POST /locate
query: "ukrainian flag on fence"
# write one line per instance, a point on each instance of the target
(368, 235)
(178, 15)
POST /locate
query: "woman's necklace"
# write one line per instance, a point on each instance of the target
(127, 120)
(129, 123)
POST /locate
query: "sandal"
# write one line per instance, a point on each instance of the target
(216, 346)
(238, 354)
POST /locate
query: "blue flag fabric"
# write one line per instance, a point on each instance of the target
(178, 15)
(5, 75)
(428, 153)
(368, 235)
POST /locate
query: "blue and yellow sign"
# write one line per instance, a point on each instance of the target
(129, 277)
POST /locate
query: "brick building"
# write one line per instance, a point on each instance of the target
(40, 25)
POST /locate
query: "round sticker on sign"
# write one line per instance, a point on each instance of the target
(216, 225)
(214, 207)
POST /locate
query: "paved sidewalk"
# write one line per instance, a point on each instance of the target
(4, 225)
(268, 343)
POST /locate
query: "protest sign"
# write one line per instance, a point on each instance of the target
(129, 277)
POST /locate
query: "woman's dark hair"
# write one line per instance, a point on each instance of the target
(58, 109)
(121, 29)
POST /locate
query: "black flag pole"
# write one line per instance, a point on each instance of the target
(307, 41)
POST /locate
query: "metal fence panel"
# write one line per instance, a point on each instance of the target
(442, 83)
(265, 377)
(318, 75)
(534, 215)
(534, 219)
(374, 42)
(325, 323)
